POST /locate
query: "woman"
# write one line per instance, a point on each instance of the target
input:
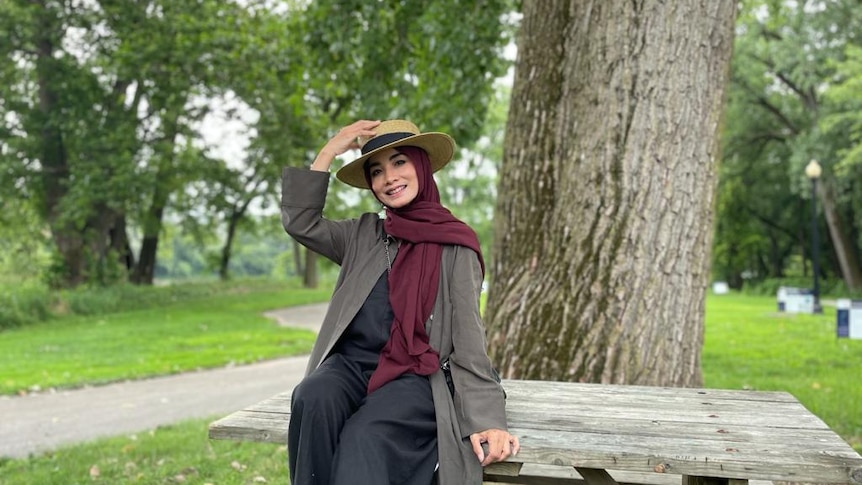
(375, 407)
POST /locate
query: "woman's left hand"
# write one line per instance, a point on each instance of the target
(501, 445)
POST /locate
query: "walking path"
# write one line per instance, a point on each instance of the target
(42, 422)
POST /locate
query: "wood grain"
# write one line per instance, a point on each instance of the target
(656, 435)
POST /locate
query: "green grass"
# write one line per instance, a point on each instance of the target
(175, 454)
(203, 333)
(748, 345)
(32, 302)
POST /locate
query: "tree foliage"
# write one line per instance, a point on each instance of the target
(794, 97)
(103, 104)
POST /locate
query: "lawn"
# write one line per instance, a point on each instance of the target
(748, 346)
(177, 454)
(201, 333)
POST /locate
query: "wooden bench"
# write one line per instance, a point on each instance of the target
(607, 434)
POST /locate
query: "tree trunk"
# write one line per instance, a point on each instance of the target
(604, 214)
(297, 258)
(233, 221)
(54, 157)
(309, 279)
(845, 250)
(145, 270)
(98, 238)
(120, 244)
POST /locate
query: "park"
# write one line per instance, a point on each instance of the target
(668, 197)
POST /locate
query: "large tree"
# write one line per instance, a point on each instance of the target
(604, 211)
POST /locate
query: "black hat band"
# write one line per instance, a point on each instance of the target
(385, 139)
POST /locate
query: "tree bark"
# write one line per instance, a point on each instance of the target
(604, 214)
(299, 268)
(233, 222)
(144, 273)
(310, 278)
(68, 240)
(120, 244)
(145, 270)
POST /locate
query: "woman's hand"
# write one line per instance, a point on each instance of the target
(501, 445)
(347, 138)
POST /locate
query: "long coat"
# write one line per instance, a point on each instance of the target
(455, 328)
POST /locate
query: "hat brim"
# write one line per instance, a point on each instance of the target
(439, 146)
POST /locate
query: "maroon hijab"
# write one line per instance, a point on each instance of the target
(422, 226)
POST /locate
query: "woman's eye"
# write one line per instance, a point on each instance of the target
(376, 172)
(400, 161)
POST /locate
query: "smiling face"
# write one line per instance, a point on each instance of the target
(393, 178)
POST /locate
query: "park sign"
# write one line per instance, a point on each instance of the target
(849, 318)
(795, 300)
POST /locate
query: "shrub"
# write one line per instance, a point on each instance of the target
(769, 286)
(21, 305)
(35, 303)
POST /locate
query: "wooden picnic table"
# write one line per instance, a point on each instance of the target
(609, 434)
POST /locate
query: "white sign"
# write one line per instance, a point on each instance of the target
(849, 318)
(795, 300)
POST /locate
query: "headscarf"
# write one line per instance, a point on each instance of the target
(423, 226)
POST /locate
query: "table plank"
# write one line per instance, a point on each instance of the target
(719, 433)
(681, 456)
(558, 475)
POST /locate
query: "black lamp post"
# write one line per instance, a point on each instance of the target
(813, 171)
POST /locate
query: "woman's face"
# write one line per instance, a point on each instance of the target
(393, 178)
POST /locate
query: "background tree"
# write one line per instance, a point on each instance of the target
(103, 102)
(98, 98)
(784, 109)
(604, 214)
(430, 61)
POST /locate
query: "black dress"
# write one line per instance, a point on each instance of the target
(341, 435)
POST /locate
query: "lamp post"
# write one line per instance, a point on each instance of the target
(813, 171)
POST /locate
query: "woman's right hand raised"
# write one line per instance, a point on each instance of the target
(347, 138)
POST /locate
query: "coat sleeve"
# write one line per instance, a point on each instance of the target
(479, 400)
(303, 194)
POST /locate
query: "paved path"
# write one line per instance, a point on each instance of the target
(42, 422)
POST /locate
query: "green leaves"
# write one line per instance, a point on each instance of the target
(101, 102)
(794, 97)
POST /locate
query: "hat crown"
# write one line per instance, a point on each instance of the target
(391, 126)
(440, 148)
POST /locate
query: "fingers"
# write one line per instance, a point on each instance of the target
(349, 137)
(359, 131)
(476, 439)
(501, 445)
(498, 449)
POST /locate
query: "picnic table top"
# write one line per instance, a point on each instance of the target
(752, 435)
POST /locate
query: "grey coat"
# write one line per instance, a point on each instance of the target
(455, 328)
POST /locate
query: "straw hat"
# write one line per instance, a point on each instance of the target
(395, 133)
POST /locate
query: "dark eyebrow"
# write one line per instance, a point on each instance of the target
(373, 163)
